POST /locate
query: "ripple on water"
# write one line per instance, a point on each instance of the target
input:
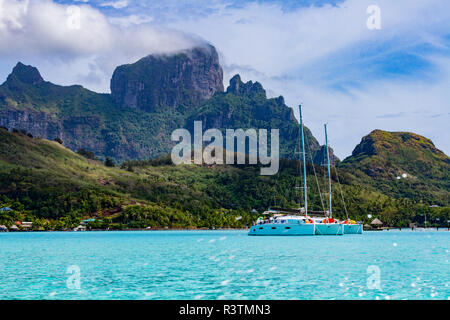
(224, 265)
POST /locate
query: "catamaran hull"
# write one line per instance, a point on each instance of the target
(353, 228)
(272, 229)
(329, 229)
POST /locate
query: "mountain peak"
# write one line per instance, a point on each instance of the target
(418, 168)
(25, 74)
(383, 154)
(379, 141)
(178, 80)
(237, 87)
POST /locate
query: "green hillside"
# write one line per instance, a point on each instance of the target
(402, 164)
(56, 188)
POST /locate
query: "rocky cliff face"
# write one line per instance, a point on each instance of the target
(177, 81)
(39, 124)
(245, 106)
(149, 100)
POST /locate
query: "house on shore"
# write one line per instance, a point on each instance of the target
(83, 222)
(80, 228)
(27, 225)
(376, 223)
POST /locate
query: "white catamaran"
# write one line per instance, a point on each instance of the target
(288, 222)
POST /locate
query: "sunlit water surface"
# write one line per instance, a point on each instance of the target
(224, 265)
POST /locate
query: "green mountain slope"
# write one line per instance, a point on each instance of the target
(245, 105)
(402, 164)
(56, 188)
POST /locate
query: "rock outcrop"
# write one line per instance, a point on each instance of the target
(238, 88)
(246, 106)
(178, 81)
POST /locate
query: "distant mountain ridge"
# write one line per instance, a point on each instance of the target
(149, 99)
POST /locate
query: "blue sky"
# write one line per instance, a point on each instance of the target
(318, 52)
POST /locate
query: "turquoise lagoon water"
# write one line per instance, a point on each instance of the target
(224, 265)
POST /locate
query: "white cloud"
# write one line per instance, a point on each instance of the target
(127, 21)
(10, 13)
(328, 59)
(115, 4)
(37, 32)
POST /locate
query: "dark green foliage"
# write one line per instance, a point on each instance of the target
(21, 131)
(52, 197)
(87, 154)
(109, 162)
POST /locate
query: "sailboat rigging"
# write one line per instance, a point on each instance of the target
(300, 222)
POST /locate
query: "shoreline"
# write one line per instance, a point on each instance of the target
(109, 230)
(208, 229)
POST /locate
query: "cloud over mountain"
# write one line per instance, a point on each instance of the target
(59, 38)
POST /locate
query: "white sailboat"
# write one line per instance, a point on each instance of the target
(300, 224)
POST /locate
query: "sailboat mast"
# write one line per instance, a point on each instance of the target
(304, 161)
(329, 171)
